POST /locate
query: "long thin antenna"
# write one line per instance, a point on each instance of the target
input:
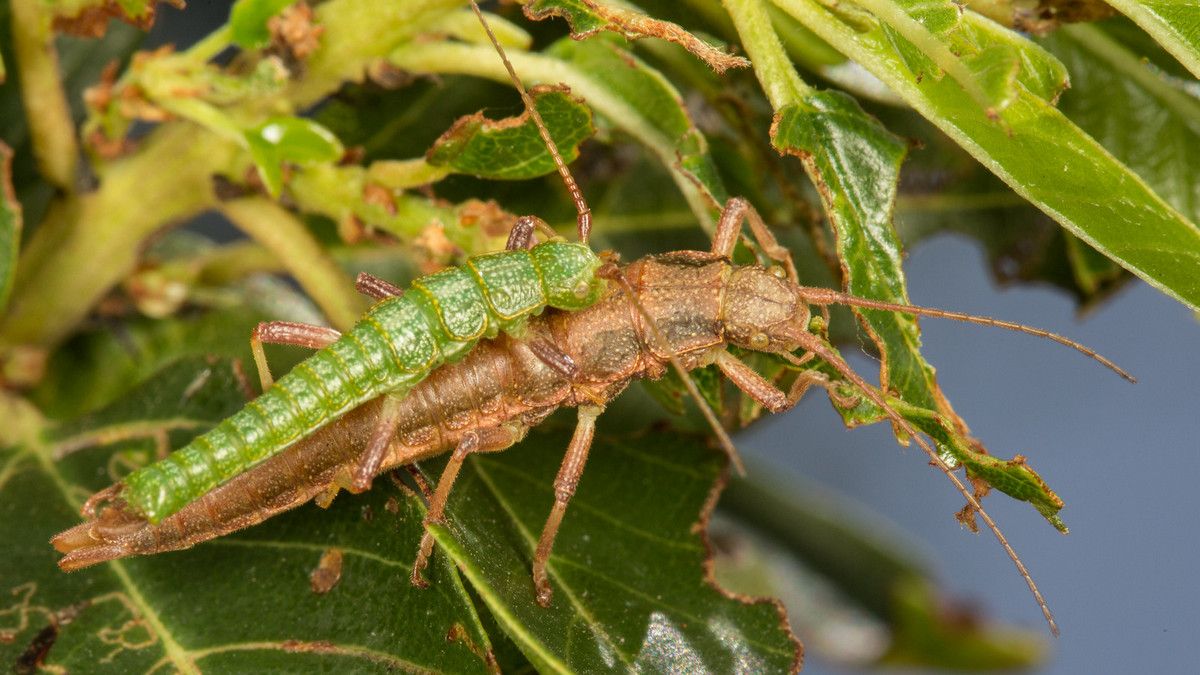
(584, 219)
(825, 296)
(814, 344)
(722, 436)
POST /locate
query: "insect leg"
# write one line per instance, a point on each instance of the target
(483, 440)
(550, 354)
(376, 288)
(286, 333)
(520, 238)
(737, 210)
(768, 395)
(372, 458)
(564, 488)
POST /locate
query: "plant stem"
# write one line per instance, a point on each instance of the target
(94, 240)
(290, 241)
(357, 33)
(774, 70)
(46, 111)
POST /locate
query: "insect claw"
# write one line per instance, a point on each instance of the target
(544, 593)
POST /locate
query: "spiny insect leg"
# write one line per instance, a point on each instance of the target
(737, 210)
(752, 384)
(564, 488)
(375, 288)
(484, 440)
(381, 438)
(286, 333)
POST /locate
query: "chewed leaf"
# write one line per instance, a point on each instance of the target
(1013, 477)
(588, 17)
(289, 139)
(855, 162)
(10, 225)
(512, 149)
(248, 21)
(625, 93)
(629, 570)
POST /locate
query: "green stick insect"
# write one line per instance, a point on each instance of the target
(397, 343)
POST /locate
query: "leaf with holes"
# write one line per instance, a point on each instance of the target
(512, 149)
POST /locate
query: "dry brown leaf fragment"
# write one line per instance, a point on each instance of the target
(635, 25)
(327, 573)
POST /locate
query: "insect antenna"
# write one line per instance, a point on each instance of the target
(584, 217)
(824, 296)
(815, 345)
(614, 273)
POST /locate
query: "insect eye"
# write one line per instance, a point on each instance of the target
(583, 289)
(759, 341)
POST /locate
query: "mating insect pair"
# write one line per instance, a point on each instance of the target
(467, 361)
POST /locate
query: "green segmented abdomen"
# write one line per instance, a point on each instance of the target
(391, 349)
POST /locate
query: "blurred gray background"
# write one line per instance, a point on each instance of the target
(1123, 584)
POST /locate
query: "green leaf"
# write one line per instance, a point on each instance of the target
(628, 570)
(1044, 158)
(245, 601)
(1148, 120)
(10, 225)
(856, 165)
(512, 149)
(289, 139)
(623, 91)
(248, 21)
(1175, 24)
(1013, 477)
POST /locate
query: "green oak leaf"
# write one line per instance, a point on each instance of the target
(628, 570)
